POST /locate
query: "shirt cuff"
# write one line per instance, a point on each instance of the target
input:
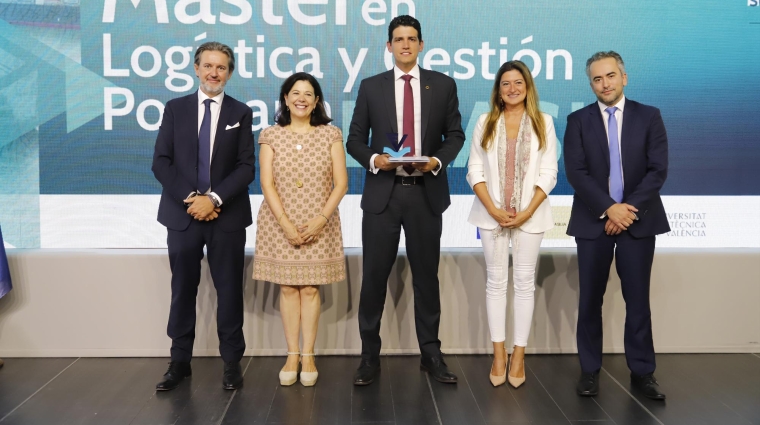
(372, 167)
(218, 199)
(635, 217)
(192, 195)
(438, 168)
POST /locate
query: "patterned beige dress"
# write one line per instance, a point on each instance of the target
(275, 260)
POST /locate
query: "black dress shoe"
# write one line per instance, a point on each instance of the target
(366, 373)
(233, 376)
(174, 375)
(437, 368)
(588, 385)
(648, 386)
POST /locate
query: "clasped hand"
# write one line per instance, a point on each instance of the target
(509, 220)
(306, 233)
(619, 218)
(202, 209)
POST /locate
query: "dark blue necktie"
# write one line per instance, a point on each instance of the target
(204, 150)
(616, 173)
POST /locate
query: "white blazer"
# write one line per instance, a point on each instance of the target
(483, 166)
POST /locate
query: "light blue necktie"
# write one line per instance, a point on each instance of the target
(204, 150)
(616, 174)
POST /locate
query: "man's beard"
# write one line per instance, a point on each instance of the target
(212, 91)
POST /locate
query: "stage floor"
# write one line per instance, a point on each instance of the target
(709, 389)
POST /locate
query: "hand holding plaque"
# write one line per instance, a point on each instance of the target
(400, 154)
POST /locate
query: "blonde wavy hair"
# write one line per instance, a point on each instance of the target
(531, 106)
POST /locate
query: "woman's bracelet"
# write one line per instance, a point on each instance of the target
(323, 216)
(280, 217)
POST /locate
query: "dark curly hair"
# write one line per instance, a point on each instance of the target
(318, 115)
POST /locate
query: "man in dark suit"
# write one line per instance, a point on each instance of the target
(204, 159)
(412, 110)
(616, 160)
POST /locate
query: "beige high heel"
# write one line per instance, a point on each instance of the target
(497, 380)
(308, 379)
(514, 381)
(289, 378)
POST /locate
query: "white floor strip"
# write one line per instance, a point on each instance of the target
(41, 388)
(221, 418)
(432, 396)
(634, 398)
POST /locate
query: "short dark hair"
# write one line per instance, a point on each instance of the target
(216, 47)
(404, 21)
(604, 55)
(318, 115)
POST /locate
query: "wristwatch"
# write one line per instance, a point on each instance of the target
(213, 201)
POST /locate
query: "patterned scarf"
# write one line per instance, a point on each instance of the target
(522, 159)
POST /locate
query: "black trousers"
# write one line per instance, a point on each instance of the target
(633, 260)
(408, 207)
(226, 254)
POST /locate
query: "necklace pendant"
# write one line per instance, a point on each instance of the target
(299, 183)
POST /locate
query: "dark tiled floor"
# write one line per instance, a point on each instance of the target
(708, 389)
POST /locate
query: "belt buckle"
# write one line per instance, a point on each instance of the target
(403, 181)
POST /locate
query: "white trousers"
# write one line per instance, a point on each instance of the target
(525, 247)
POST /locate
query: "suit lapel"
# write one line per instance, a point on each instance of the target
(389, 93)
(192, 114)
(597, 122)
(627, 132)
(426, 96)
(221, 124)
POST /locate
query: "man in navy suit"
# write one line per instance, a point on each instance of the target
(204, 159)
(616, 160)
(419, 110)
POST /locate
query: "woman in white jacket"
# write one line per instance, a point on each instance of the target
(512, 169)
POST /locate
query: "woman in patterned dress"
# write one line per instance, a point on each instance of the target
(299, 244)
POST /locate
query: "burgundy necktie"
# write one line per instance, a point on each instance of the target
(408, 120)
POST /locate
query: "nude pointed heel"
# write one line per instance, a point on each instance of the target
(289, 378)
(514, 381)
(497, 380)
(308, 379)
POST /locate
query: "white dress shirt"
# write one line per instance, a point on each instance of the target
(215, 107)
(399, 95)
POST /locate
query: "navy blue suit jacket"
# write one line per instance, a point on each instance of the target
(644, 152)
(442, 134)
(175, 162)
